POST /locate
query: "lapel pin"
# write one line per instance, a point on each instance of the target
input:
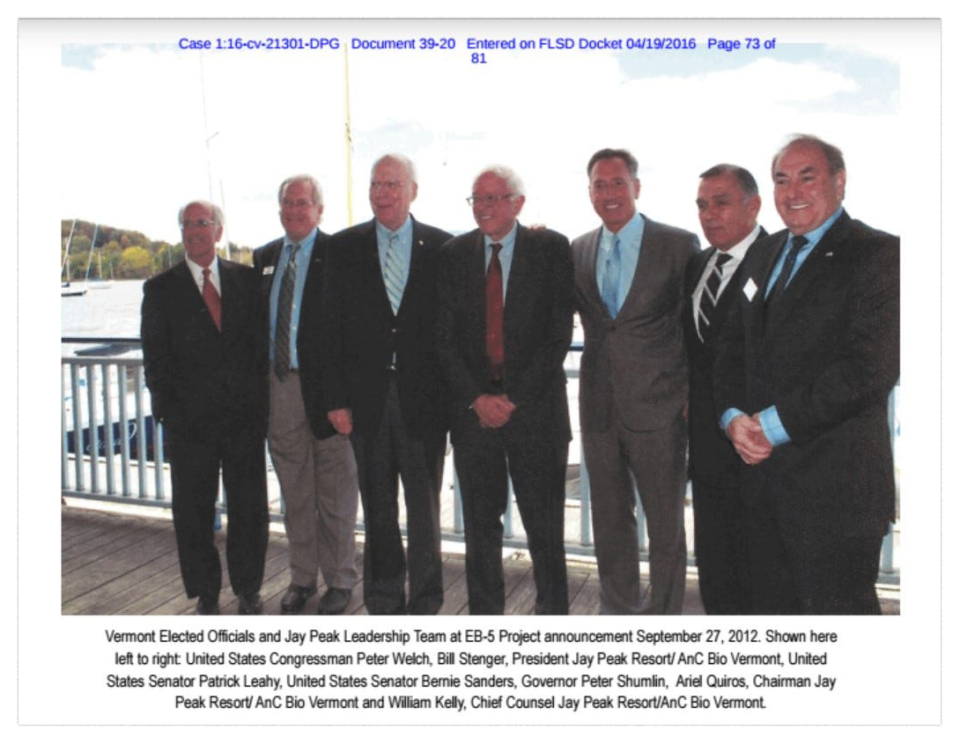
(267, 270)
(828, 255)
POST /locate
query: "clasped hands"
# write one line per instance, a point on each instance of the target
(493, 410)
(748, 439)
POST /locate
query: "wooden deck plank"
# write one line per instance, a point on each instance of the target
(127, 565)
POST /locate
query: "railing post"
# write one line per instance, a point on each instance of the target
(64, 460)
(78, 480)
(108, 426)
(124, 433)
(141, 437)
(92, 423)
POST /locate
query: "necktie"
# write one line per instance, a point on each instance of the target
(212, 298)
(611, 280)
(711, 293)
(281, 338)
(495, 314)
(796, 243)
(393, 274)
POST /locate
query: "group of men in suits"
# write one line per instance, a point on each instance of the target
(356, 354)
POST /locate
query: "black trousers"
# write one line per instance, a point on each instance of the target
(810, 571)
(719, 540)
(537, 466)
(389, 455)
(197, 458)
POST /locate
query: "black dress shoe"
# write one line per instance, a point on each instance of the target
(208, 605)
(334, 601)
(250, 604)
(295, 598)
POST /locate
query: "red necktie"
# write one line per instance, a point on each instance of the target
(211, 297)
(495, 314)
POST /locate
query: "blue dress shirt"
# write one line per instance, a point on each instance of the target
(773, 427)
(508, 243)
(630, 235)
(303, 265)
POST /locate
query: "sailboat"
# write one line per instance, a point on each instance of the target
(99, 282)
(66, 289)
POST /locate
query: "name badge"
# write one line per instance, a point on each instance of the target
(750, 289)
(267, 270)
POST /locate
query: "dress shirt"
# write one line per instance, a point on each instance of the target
(507, 244)
(404, 247)
(630, 235)
(196, 271)
(303, 266)
(773, 427)
(726, 272)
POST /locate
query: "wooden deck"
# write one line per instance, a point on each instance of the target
(126, 564)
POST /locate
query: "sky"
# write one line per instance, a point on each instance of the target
(144, 126)
(116, 124)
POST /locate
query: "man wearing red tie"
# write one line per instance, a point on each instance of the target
(206, 373)
(506, 318)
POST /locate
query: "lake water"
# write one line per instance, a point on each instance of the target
(103, 312)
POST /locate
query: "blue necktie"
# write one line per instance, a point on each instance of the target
(393, 274)
(796, 243)
(611, 280)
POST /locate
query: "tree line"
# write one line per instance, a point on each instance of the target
(124, 254)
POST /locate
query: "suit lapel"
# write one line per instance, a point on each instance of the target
(809, 273)
(476, 274)
(416, 267)
(590, 262)
(228, 300)
(520, 267)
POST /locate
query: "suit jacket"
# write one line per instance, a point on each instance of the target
(198, 376)
(537, 329)
(309, 349)
(826, 355)
(634, 363)
(361, 335)
(712, 456)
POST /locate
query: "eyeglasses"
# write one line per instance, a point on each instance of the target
(487, 201)
(298, 203)
(385, 185)
(187, 224)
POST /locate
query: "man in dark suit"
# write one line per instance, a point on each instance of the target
(728, 203)
(633, 388)
(807, 359)
(205, 370)
(505, 325)
(382, 385)
(314, 464)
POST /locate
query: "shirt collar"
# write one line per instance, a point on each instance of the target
(627, 234)
(307, 242)
(405, 230)
(740, 249)
(196, 270)
(507, 241)
(813, 237)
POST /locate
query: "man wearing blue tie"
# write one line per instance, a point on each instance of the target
(807, 360)
(633, 387)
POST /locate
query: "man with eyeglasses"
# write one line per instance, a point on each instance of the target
(633, 388)
(382, 386)
(205, 369)
(506, 319)
(313, 462)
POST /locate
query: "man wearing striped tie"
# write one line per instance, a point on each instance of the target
(381, 385)
(728, 203)
(314, 464)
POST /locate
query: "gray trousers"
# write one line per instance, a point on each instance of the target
(656, 460)
(318, 481)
